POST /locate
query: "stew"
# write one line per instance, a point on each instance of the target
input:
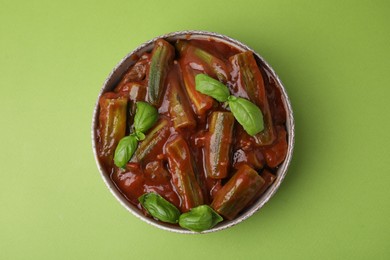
(199, 125)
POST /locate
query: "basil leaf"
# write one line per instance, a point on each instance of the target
(211, 87)
(159, 207)
(200, 218)
(145, 117)
(140, 136)
(125, 150)
(247, 114)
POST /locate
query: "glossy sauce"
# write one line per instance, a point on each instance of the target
(151, 172)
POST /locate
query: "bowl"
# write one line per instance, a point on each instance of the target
(128, 61)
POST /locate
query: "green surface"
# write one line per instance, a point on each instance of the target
(334, 59)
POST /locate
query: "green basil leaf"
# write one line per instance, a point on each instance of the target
(200, 218)
(211, 87)
(125, 150)
(247, 114)
(145, 117)
(140, 136)
(159, 207)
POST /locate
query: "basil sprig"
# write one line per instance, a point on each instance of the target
(145, 117)
(199, 218)
(246, 113)
(211, 87)
(159, 207)
(125, 150)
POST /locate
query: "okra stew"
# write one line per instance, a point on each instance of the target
(193, 132)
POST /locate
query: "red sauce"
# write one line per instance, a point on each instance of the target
(153, 173)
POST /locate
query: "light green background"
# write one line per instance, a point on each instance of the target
(334, 59)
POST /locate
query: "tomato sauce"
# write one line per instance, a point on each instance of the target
(184, 126)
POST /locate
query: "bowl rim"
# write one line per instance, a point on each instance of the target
(128, 61)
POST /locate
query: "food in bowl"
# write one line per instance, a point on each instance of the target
(193, 133)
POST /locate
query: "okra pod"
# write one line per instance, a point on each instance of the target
(183, 175)
(201, 102)
(277, 152)
(211, 65)
(254, 158)
(218, 143)
(135, 91)
(130, 181)
(214, 186)
(269, 178)
(237, 192)
(158, 180)
(136, 73)
(162, 57)
(112, 125)
(154, 141)
(179, 108)
(249, 79)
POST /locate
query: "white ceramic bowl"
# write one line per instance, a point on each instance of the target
(128, 61)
